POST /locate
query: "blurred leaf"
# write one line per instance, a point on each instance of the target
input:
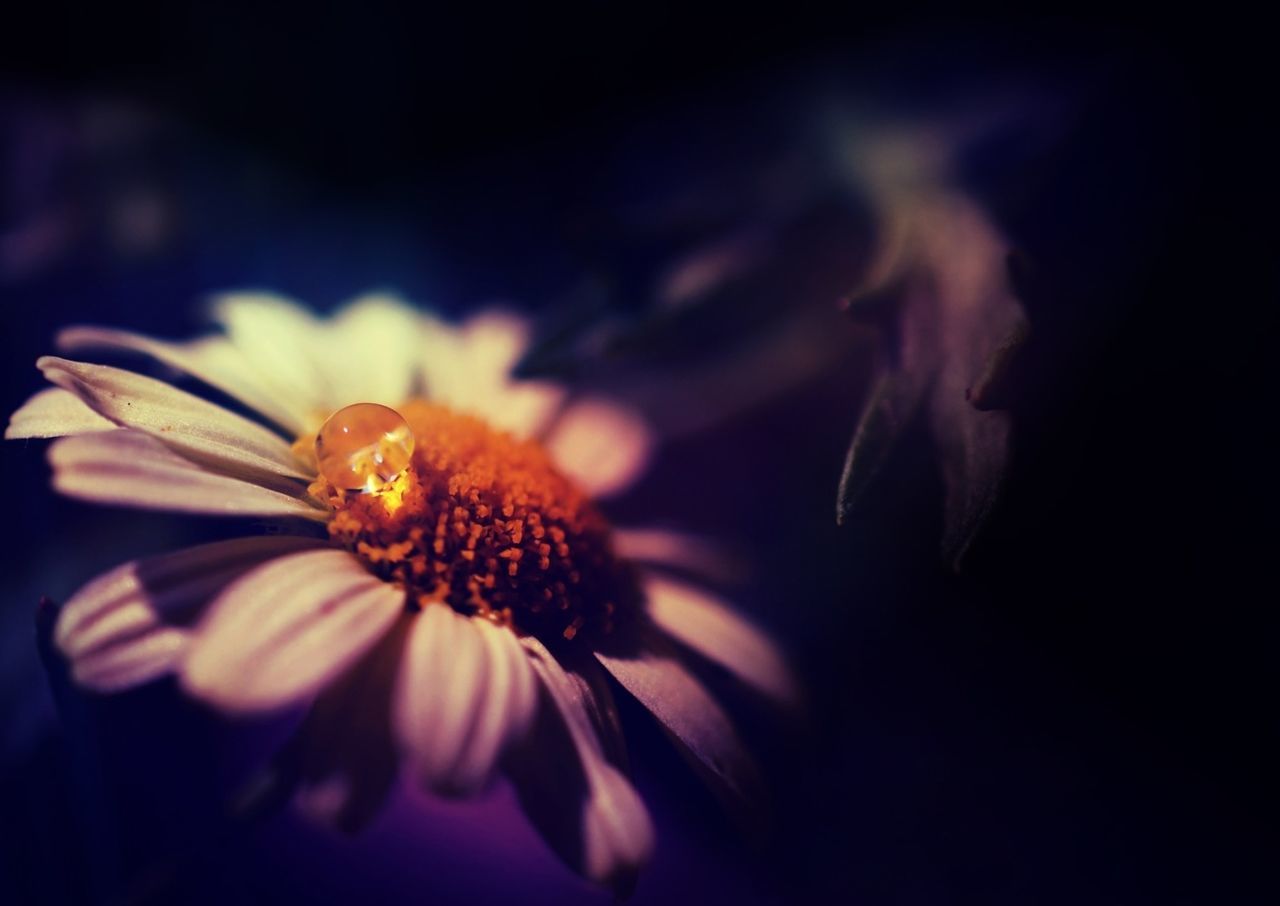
(893, 403)
(730, 306)
(952, 328)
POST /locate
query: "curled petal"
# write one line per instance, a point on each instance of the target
(196, 428)
(287, 629)
(602, 445)
(54, 412)
(214, 360)
(134, 469)
(130, 625)
(583, 805)
(465, 691)
(590, 690)
(707, 625)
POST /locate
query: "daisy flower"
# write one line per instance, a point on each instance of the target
(442, 593)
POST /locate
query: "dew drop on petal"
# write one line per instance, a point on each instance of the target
(364, 447)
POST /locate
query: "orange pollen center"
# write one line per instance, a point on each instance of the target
(484, 522)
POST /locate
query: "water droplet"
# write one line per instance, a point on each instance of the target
(364, 447)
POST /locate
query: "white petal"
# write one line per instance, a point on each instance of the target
(54, 412)
(444, 675)
(679, 551)
(288, 628)
(442, 362)
(285, 345)
(129, 625)
(214, 360)
(464, 693)
(603, 445)
(372, 352)
(525, 408)
(708, 626)
(468, 369)
(456, 374)
(495, 340)
(194, 427)
(703, 732)
(593, 816)
(134, 469)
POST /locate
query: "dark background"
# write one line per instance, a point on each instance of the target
(1086, 714)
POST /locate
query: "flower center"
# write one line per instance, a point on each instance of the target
(459, 512)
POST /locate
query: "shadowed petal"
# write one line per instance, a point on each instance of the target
(134, 469)
(583, 805)
(602, 445)
(701, 729)
(198, 429)
(347, 757)
(591, 691)
(129, 625)
(214, 360)
(287, 629)
(54, 412)
(464, 693)
(708, 626)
